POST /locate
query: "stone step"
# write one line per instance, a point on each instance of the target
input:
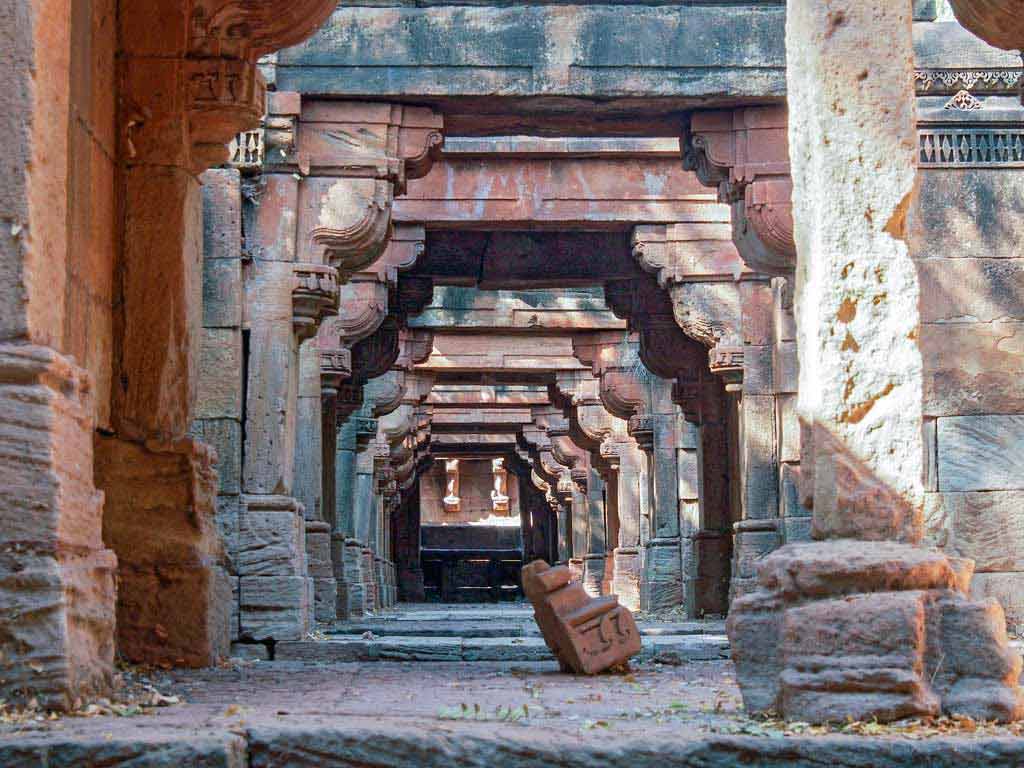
(669, 649)
(503, 628)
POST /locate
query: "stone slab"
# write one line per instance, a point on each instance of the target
(981, 453)
(671, 649)
(972, 368)
(987, 527)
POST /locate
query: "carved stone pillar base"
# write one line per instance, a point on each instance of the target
(752, 541)
(861, 630)
(663, 575)
(347, 556)
(56, 577)
(274, 589)
(174, 593)
(321, 570)
(381, 583)
(626, 579)
(593, 574)
(576, 568)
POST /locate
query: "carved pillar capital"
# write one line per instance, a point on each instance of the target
(335, 368)
(744, 153)
(190, 89)
(314, 297)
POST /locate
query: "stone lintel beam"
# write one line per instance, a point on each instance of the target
(501, 353)
(611, 184)
(744, 153)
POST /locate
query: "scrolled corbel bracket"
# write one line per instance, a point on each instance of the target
(744, 154)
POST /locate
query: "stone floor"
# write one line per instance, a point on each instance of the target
(504, 713)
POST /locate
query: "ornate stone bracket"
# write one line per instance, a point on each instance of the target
(361, 155)
(997, 22)
(744, 153)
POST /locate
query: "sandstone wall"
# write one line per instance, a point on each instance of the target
(967, 227)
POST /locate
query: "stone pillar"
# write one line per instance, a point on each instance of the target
(308, 483)
(218, 414)
(347, 548)
(593, 561)
(862, 623)
(663, 576)
(285, 303)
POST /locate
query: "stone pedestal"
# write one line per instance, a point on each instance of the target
(274, 590)
(174, 595)
(852, 629)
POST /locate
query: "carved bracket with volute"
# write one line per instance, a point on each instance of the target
(744, 154)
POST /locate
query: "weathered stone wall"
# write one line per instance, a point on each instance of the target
(57, 249)
(967, 232)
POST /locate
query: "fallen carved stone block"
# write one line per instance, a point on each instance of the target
(586, 635)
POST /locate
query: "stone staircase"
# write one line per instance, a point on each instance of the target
(491, 633)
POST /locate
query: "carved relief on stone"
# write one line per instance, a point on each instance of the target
(499, 494)
(744, 153)
(586, 635)
(335, 367)
(247, 29)
(451, 500)
(314, 297)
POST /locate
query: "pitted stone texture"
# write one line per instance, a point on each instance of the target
(856, 286)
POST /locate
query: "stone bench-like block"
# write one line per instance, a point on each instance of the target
(586, 635)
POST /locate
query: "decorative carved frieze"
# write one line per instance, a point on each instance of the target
(744, 153)
(314, 297)
(727, 362)
(245, 152)
(641, 429)
(939, 82)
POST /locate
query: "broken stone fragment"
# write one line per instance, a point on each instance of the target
(587, 635)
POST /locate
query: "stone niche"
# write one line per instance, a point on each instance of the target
(476, 482)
